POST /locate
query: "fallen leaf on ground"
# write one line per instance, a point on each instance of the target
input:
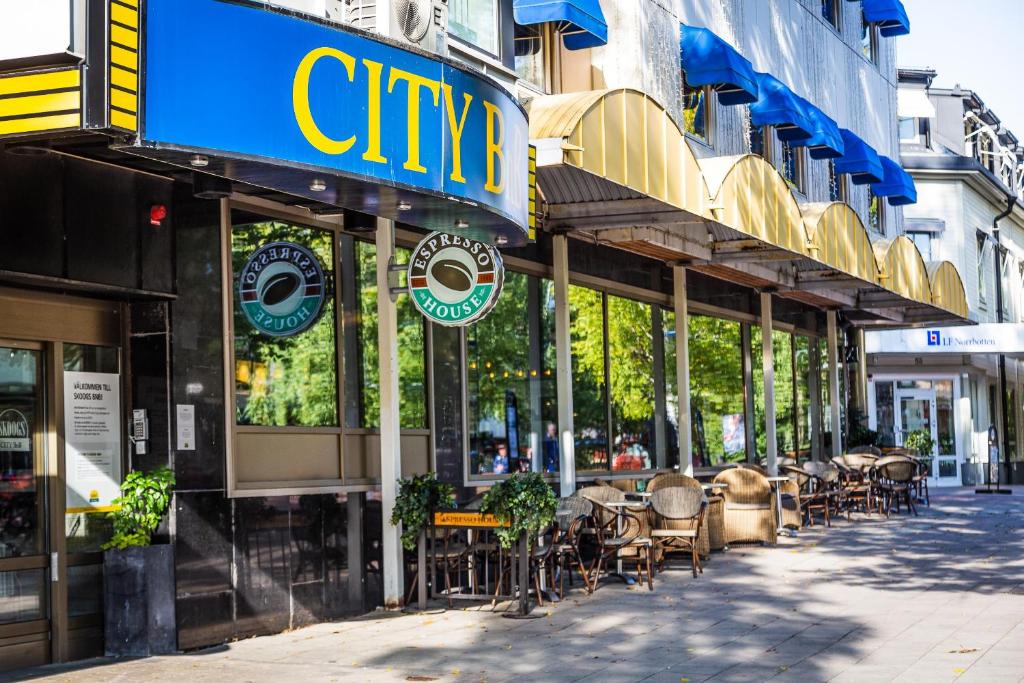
(963, 650)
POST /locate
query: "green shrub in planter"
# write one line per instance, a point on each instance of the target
(921, 441)
(417, 497)
(142, 505)
(524, 501)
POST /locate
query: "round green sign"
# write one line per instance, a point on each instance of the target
(454, 280)
(281, 289)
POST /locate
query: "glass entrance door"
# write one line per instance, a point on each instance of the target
(24, 546)
(915, 411)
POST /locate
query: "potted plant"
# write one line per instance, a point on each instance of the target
(524, 502)
(417, 498)
(138, 578)
(921, 441)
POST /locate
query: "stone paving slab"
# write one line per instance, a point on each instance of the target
(939, 597)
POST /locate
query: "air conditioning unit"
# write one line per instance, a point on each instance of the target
(423, 23)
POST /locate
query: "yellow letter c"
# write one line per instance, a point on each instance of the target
(300, 100)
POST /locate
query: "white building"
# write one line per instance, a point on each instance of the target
(967, 167)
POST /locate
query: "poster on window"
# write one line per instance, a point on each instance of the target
(734, 439)
(92, 440)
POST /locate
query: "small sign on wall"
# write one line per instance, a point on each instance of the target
(186, 427)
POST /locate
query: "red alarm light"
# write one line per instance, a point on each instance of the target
(157, 213)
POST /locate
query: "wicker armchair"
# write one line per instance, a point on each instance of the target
(894, 478)
(678, 521)
(826, 489)
(620, 532)
(571, 517)
(712, 531)
(749, 506)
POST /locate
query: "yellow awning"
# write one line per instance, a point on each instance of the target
(947, 288)
(840, 240)
(902, 269)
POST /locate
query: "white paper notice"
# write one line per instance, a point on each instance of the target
(186, 428)
(92, 440)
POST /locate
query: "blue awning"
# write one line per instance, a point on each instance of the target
(777, 106)
(826, 142)
(896, 185)
(709, 60)
(890, 15)
(859, 160)
(581, 22)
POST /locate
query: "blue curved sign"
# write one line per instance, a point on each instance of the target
(244, 81)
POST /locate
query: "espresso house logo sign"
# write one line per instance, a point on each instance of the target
(281, 289)
(454, 280)
(14, 434)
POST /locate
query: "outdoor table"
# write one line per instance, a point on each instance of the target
(776, 483)
(629, 580)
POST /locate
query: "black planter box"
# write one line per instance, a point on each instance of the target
(138, 587)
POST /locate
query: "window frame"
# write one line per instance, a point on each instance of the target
(982, 244)
(798, 154)
(870, 51)
(464, 45)
(710, 105)
(840, 182)
(836, 18)
(880, 213)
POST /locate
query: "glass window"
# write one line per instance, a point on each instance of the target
(285, 381)
(87, 531)
(868, 39)
(876, 213)
(22, 501)
(716, 391)
(946, 416)
(982, 240)
(885, 416)
(923, 240)
(668, 328)
(530, 54)
(793, 165)
(475, 22)
(411, 356)
(506, 389)
(758, 137)
(590, 416)
(830, 12)
(548, 389)
(696, 114)
(802, 360)
(836, 183)
(22, 595)
(782, 349)
(631, 370)
(908, 129)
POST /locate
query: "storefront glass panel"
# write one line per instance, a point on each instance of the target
(590, 415)
(802, 361)
(285, 381)
(631, 369)
(668, 328)
(411, 357)
(885, 418)
(782, 349)
(716, 391)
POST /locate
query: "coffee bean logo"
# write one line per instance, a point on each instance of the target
(278, 288)
(452, 274)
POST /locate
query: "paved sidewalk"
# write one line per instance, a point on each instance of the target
(934, 598)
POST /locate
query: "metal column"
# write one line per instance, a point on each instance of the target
(833, 383)
(768, 366)
(390, 451)
(683, 367)
(563, 365)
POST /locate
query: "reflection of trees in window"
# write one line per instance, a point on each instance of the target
(668, 329)
(590, 416)
(695, 112)
(802, 358)
(411, 359)
(288, 381)
(782, 348)
(631, 370)
(716, 390)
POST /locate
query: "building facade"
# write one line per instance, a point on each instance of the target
(695, 223)
(967, 167)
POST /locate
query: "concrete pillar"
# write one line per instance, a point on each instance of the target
(768, 366)
(833, 382)
(390, 451)
(683, 368)
(563, 368)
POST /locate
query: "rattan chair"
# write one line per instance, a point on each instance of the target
(619, 532)
(894, 478)
(866, 450)
(712, 532)
(858, 491)
(749, 506)
(558, 557)
(678, 521)
(826, 487)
